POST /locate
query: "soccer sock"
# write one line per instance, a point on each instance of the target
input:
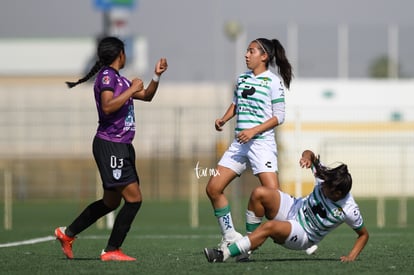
(225, 221)
(90, 214)
(252, 222)
(241, 246)
(122, 225)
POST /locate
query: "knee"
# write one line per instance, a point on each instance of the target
(270, 227)
(259, 193)
(266, 229)
(211, 191)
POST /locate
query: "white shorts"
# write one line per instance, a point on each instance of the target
(298, 239)
(286, 203)
(260, 155)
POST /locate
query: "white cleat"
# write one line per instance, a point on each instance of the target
(311, 250)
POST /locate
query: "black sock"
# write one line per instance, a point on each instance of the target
(122, 225)
(90, 214)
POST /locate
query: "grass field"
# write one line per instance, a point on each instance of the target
(164, 243)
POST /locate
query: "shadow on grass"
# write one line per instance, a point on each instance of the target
(294, 260)
(81, 259)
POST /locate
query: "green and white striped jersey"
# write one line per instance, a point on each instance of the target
(257, 99)
(318, 215)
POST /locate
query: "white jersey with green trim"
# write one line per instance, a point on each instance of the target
(257, 99)
(319, 215)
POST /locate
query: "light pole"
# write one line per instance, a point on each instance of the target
(235, 33)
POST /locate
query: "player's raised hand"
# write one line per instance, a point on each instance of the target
(161, 66)
(308, 157)
(305, 162)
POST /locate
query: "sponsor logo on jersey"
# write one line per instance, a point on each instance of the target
(106, 79)
(248, 91)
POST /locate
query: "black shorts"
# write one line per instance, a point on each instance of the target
(116, 163)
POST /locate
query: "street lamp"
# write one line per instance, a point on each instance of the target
(232, 29)
(235, 33)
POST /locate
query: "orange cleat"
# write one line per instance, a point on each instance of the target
(116, 255)
(65, 241)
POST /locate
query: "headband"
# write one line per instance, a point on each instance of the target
(261, 45)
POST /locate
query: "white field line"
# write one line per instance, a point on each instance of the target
(31, 241)
(158, 237)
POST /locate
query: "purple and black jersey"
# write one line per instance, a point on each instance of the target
(120, 125)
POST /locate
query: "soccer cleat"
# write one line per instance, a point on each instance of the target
(244, 257)
(65, 241)
(311, 249)
(116, 255)
(213, 255)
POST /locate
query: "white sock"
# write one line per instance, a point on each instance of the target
(227, 227)
(244, 244)
(226, 254)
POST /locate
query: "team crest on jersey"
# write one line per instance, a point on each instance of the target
(116, 173)
(338, 212)
(106, 79)
(265, 81)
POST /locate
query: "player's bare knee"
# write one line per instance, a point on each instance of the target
(212, 191)
(269, 227)
(259, 193)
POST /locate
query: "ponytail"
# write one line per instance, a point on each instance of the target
(277, 57)
(109, 49)
(98, 65)
(284, 67)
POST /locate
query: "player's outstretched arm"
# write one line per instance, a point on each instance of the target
(359, 244)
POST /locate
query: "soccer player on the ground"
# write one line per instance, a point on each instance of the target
(259, 106)
(299, 223)
(112, 148)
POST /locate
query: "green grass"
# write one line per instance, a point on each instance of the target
(164, 243)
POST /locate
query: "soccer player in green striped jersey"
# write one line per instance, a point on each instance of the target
(258, 106)
(299, 223)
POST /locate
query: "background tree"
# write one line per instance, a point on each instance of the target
(379, 68)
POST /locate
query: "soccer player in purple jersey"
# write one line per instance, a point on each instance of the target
(112, 148)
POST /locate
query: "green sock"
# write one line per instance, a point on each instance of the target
(252, 222)
(234, 250)
(250, 227)
(222, 211)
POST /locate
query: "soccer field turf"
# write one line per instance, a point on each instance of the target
(164, 243)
